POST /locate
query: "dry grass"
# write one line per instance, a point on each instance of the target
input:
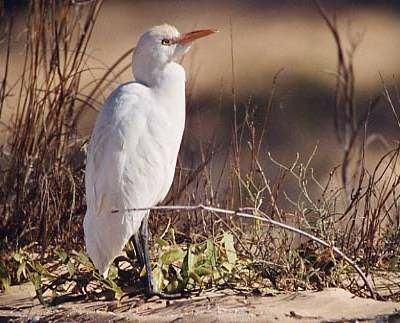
(42, 197)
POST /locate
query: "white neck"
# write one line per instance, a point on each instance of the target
(152, 73)
(171, 77)
(170, 87)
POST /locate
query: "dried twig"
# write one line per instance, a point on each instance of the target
(347, 125)
(267, 220)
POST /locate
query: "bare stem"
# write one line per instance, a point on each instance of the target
(284, 226)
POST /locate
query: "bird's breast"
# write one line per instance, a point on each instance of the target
(157, 150)
(166, 131)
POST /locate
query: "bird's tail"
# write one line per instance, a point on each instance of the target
(106, 236)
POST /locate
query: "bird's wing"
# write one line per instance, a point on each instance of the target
(119, 127)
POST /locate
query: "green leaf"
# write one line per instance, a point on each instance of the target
(110, 284)
(173, 284)
(142, 272)
(158, 278)
(18, 257)
(394, 262)
(21, 271)
(62, 255)
(5, 279)
(71, 268)
(83, 259)
(172, 255)
(42, 270)
(185, 269)
(211, 253)
(162, 242)
(38, 267)
(36, 280)
(112, 273)
(5, 283)
(203, 271)
(228, 266)
(196, 278)
(230, 248)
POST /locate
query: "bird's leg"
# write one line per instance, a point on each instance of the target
(150, 290)
(144, 237)
(138, 249)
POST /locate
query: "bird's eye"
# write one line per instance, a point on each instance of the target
(166, 42)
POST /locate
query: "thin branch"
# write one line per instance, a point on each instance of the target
(284, 226)
(389, 99)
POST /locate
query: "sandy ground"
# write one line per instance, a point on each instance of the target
(330, 305)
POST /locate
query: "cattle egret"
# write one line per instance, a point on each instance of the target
(134, 147)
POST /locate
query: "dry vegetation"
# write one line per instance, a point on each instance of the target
(331, 228)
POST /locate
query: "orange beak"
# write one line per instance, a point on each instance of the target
(193, 35)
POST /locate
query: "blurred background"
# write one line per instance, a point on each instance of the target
(259, 38)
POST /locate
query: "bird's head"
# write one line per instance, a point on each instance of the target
(161, 45)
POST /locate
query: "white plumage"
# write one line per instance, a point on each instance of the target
(134, 145)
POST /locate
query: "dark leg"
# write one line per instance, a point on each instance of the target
(144, 239)
(138, 249)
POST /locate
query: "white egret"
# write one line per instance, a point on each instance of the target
(134, 147)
